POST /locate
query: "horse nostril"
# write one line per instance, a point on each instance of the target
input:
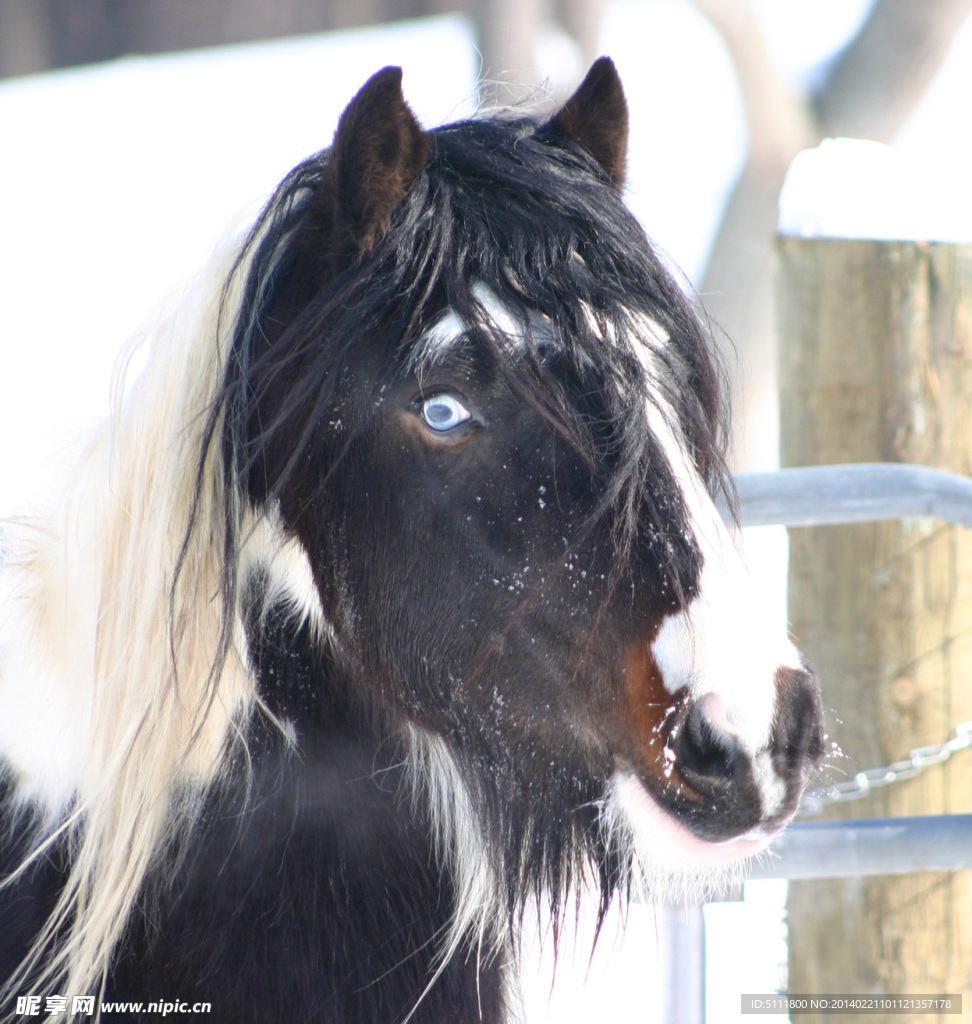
(799, 737)
(705, 753)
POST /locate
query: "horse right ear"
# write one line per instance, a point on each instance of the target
(378, 151)
(596, 119)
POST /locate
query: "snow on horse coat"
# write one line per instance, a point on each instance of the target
(392, 600)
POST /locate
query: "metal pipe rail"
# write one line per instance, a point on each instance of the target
(852, 493)
(869, 846)
(856, 493)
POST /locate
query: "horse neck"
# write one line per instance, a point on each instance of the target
(318, 847)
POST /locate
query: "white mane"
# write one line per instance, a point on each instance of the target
(117, 689)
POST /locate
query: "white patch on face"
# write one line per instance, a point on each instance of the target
(725, 642)
(724, 648)
(449, 330)
(719, 644)
(444, 334)
(501, 316)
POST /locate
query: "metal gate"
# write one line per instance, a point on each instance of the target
(861, 492)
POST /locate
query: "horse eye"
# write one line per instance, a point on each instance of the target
(443, 412)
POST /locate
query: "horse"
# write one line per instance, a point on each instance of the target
(391, 601)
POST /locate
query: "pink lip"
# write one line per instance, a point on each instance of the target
(681, 847)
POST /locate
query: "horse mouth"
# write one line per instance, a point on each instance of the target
(668, 833)
(696, 774)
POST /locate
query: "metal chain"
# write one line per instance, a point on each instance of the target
(863, 783)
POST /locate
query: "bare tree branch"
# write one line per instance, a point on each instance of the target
(582, 19)
(880, 77)
(872, 89)
(736, 286)
(24, 41)
(508, 32)
(39, 34)
(778, 121)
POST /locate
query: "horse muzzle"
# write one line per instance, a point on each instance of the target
(700, 780)
(721, 789)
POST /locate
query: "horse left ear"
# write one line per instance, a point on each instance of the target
(378, 151)
(596, 119)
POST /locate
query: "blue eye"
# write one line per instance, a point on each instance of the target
(443, 413)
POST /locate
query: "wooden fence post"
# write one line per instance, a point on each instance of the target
(876, 365)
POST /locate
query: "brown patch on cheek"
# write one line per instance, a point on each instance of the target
(651, 710)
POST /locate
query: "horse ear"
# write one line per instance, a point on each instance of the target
(596, 118)
(378, 151)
